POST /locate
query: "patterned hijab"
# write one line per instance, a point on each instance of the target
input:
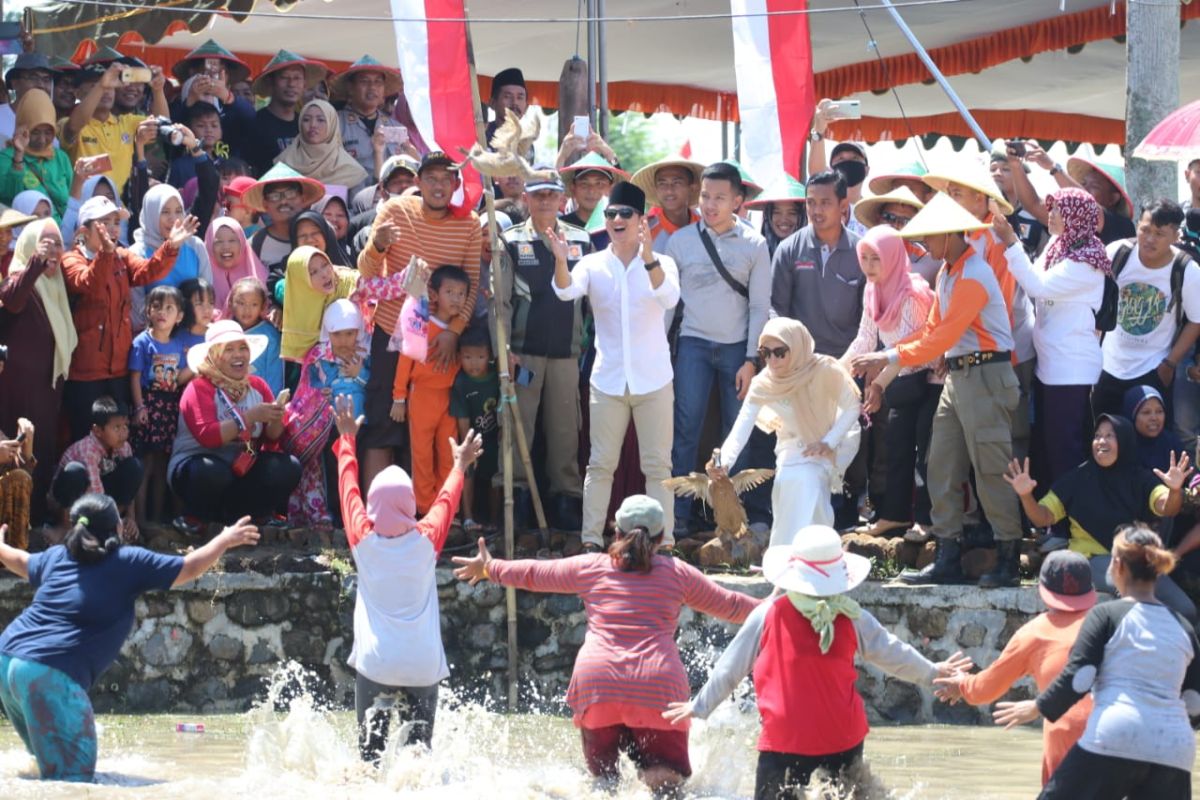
(236, 389)
(1078, 241)
(807, 385)
(884, 299)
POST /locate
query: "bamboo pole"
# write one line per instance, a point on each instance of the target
(510, 422)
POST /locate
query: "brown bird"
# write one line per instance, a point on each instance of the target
(512, 139)
(732, 544)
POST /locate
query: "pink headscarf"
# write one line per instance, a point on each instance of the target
(884, 300)
(391, 504)
(1078, 241)
(248, 266)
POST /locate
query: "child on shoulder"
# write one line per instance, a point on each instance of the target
(428, 386)
(475, 404)
(157, 374)
(102, 463)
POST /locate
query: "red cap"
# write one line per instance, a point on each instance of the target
(238, 186)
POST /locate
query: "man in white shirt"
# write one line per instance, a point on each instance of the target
(1159, 294)
(630, 288)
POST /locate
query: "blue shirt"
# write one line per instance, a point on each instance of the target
(338, 384)
(269, 366)
(158, 362)
(82, 613)
(187, 267)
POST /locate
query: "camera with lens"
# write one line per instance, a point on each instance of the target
(168, 131)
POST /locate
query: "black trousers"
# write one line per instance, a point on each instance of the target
(211, 493)
(1085, 774)
(78, 397)
(72, 482)
(908, 430)
(416, 706)
(784, 776)
(1108, 395)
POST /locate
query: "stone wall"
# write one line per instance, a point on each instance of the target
(214, 645)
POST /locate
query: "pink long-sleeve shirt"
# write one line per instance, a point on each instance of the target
(628, 668)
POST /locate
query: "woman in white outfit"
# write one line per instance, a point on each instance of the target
(811, 403)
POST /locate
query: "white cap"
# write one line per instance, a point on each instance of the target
(96, 208)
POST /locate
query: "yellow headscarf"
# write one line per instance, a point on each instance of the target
(303, 306)
(52, 290)
(326, 161)
(36, 108)
(809, 384)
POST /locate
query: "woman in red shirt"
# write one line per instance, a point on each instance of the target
(628, 670)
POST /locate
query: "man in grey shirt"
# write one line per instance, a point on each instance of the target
(815, 274)
(722, 316)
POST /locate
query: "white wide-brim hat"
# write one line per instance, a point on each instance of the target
(815, 564)
(224, 332)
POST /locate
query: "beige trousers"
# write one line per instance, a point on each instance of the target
(554, 389)
(973, 428)
(653, 418)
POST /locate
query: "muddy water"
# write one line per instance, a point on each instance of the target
(311, 754)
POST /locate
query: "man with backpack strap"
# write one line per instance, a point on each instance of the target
(725, 291)
(1159, 292)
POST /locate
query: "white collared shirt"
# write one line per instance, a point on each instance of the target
(631, 344)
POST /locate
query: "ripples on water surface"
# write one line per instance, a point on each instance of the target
(309, 754)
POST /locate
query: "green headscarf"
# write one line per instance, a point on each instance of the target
(304, 306)
(822, 612)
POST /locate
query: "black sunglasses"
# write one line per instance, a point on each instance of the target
(613, 213)
(779, 352)
(893, 219)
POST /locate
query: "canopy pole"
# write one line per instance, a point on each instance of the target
(591, 60)
(980, 136)
(1151, 93)
(507, 396)
(601, 68)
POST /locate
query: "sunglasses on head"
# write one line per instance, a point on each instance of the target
(613, 213)
(894, 219)
(766, 352)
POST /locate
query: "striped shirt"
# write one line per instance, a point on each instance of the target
(628, 657)
(449, 240)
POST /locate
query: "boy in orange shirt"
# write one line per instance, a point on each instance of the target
(430, 425)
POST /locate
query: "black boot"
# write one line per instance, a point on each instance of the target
(523, 517)
(946, 566)
(1008, 566)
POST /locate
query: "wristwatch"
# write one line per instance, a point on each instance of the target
(1057, 168)
(815, 135)
(651, 264)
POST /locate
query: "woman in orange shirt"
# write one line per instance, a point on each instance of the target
(1040, 649)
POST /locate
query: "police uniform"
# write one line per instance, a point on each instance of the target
(546, 333)
(356, 139)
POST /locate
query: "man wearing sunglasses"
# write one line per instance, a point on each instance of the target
(630, 289)
(725, 292)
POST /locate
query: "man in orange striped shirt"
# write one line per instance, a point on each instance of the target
(429, 227)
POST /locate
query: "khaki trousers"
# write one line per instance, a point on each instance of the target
(554, 389)
(653, 418)
(972, 428)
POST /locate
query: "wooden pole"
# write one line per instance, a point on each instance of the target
(507, 398)
(1151, 92)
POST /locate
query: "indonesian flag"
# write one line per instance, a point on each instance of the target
(772, 56)
(437, 80)
(686, 150)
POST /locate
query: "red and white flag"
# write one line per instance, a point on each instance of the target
(772, 57)
(431, 46)
(686, 150)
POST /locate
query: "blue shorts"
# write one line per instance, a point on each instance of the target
(53, 716)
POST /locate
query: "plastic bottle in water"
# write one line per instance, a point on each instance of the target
(189, 727)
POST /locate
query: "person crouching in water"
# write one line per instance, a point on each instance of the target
(800, 647)
(628, 671)
(397, 631)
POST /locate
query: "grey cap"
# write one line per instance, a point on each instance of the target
(28, 62)
(554, 183)
(640, 511)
